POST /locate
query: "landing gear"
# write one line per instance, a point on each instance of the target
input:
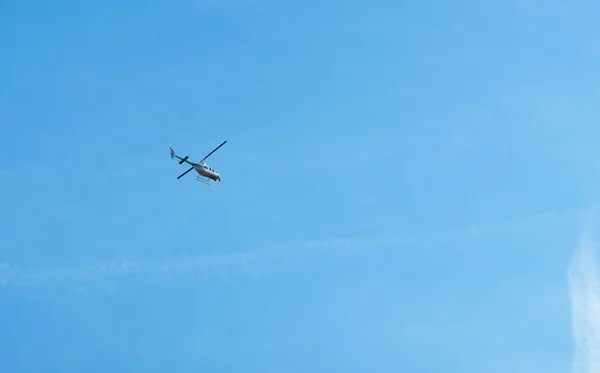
(203, 180)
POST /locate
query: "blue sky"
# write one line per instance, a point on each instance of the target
(404, 184)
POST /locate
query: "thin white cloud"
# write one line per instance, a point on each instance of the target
(584, 288)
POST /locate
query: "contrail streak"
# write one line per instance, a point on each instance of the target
(19, 277)
(15, 276)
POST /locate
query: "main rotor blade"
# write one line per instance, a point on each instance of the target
(209, 154)
(180, 176)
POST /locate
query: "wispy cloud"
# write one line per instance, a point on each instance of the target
(584, 287)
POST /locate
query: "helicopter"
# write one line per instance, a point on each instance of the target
(206, 173)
